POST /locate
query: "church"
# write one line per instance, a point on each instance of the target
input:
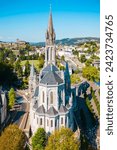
(52, 96)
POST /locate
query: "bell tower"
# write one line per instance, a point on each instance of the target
(50, 53)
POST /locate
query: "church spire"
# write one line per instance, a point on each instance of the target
(50, 50)
(50, 25)
(50, 34)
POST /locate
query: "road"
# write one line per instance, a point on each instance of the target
(74, 62)
(21, 112)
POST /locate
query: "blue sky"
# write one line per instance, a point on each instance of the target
(28, 19)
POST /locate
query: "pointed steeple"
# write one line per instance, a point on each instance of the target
(50, 49)
(50, 24)
(50, 34)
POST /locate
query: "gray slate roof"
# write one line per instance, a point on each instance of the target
(51, 78)
(52, 111)
(41, 110)
(50, 67)
(63, 109)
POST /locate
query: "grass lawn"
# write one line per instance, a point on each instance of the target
(35, 62)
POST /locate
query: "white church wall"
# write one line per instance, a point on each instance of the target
(42, 101)
(33, 121)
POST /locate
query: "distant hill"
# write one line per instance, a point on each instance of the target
(70, 41)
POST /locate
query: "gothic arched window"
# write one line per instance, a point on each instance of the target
(51, 98)
(41, 121)
(61, 120)
(51, 123)
(43, 96)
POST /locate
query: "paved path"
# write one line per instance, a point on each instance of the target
(75, 62)
(23, 120)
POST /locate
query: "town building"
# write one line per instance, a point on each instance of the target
(52, 97)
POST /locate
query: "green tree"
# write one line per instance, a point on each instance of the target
(12, 97)
(41, 61)
(1, 56)
(63, 58)
(11, 57)
(83, 58)
(39, 139)
(75, 78)
(62, 139)
(85, 145)
(18, 68)
(27, 69)
(91, 73)
(28, 48)
(88, 62)
(12, 139)
(75, 52)
(7, 75)
(62, 67)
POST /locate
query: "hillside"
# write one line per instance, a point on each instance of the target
(70, 41)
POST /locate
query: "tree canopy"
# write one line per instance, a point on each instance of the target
(7, 75)
(88, 62)
(75, 79)
(62, 139)
(91, 73)
(18, 68)
(12, 97)
(12, 139)
(27, 68)
(83, 58)
(41, 61)
(39, 139)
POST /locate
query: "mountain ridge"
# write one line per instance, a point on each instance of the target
(69, 41)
